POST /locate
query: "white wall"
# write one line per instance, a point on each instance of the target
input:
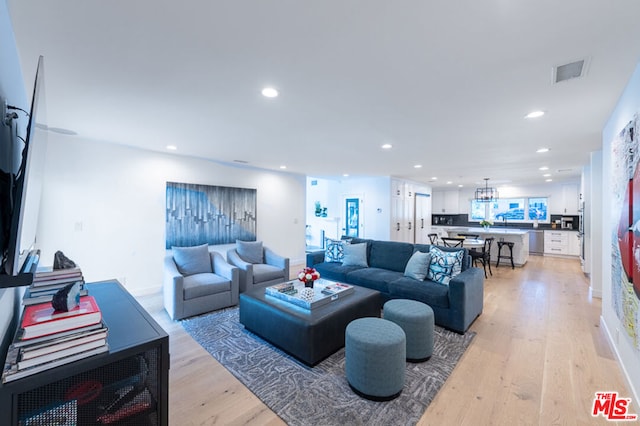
(627, 106)
(374, 211)
(104, 206)
(11, 88)
(595, 232)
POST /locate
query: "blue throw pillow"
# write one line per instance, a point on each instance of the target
(355, 255)
(192, 260)
(418, 266)
(444, 265)
(334, 251)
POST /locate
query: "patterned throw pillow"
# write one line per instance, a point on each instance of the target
(444, 265)
(334, 251)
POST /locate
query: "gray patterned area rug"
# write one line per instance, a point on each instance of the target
(303, 395)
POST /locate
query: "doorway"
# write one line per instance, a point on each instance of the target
(352, 217)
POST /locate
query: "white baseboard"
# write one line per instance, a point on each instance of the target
(635, 396)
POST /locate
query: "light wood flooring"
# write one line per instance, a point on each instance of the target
(537, 359)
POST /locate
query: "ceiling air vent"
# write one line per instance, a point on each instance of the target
(569, 71)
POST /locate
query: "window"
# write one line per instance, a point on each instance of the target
(510, 210)
(538, 209)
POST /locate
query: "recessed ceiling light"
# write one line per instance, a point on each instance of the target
(460, 186)
(534, 114)
(417, 166)
(387, 146)
(449, 182)
(346, 175)
(283, 167)
(172, 147)
(546, 175)
(269, 92)
(549, 180)
(434, 178)
(541, 150)
(543, 168)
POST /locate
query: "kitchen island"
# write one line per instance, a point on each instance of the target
(519, 237)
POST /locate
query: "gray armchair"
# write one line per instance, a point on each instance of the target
(259, 266)
(198, 281)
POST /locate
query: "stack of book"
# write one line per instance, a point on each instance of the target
(47, 281)
(48, 338)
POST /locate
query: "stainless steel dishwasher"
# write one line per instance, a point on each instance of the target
(536, 242)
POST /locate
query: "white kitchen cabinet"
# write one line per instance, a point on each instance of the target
(422, 218)
(560, 242)
(402, 211)
(570, 199)
(446, 202)
(573, 242)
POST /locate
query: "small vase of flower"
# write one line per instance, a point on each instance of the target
(486, 224)
(308, 276)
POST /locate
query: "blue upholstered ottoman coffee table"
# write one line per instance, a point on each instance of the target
(309, 335)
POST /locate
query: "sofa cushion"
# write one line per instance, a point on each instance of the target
(391, 255)
(418, 266)
(335, 271)
(444, 265)
(429, 292)
(250, 251)
(263, 272)
(199, 285)
(466, 261)
(192, 260)
(355, 255)
(373, 278)
(334, 251)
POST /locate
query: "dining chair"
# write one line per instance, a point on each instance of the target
(472, 236)
(484, 255)
(433, 238)
(452, 242)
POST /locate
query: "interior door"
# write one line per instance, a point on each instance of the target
(352, 217)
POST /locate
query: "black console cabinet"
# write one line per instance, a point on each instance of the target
(138, 356)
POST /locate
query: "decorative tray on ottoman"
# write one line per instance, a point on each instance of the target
(323, 292)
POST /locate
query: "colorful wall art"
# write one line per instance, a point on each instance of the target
(625, 227)
(199, 214)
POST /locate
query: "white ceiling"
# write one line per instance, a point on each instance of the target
(448, 83)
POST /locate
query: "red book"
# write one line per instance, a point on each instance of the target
(41, 320)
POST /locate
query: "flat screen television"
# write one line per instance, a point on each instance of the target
(27, 161)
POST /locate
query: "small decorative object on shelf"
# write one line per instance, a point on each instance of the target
(67, 298)
(60, 261)
(308, 276)
(486, 224)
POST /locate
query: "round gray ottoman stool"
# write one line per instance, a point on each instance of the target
(416, 319)
(375, 352)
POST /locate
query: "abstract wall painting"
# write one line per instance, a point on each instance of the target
(204, 214)
(625, 229)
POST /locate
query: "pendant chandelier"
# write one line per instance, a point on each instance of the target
(486, 194)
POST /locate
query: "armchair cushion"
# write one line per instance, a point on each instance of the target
(250, 251)
(199, 285)
(263, 272)
(192, 260)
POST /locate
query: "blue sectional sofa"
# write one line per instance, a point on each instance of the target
(455, 305)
